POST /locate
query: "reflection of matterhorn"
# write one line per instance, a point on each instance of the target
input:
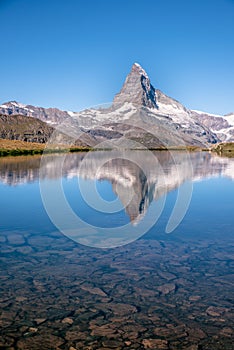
(137, 177)
(129, 181)
(137, 197)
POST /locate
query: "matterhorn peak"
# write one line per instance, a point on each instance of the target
(137, 89)
(137, 67)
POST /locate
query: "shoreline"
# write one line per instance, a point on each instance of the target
(19, 148)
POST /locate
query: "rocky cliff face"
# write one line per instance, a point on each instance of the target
(137, 89)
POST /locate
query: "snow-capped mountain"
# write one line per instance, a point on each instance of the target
(139, 115)
(137, 89)
(145, 115)
(48, 115)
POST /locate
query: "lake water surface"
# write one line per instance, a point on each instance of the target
(117, 250)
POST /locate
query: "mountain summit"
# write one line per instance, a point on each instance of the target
(137, 89)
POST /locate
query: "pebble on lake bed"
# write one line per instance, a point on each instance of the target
(167, 288)
(155, 344)
(214, 311)
(67, 320)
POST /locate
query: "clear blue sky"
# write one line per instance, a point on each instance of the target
(76, 53)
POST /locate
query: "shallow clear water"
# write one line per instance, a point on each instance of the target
(87, 260)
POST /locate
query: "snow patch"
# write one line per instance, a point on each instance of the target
(229, 119)
(120, 114)
(72, 114)
(206, 113)
(141, 70)
(13, 103)
(176, 113)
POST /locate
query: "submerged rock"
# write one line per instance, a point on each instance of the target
(155, 344)
(167, 288)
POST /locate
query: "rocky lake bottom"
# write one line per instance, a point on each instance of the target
(151, 294)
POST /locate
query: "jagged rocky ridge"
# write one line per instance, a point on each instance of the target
(137, 89)
(222, 126)
(48, 115)
(140, 116)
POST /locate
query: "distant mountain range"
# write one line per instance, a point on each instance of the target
(140, 115)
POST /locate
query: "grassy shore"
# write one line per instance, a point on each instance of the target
(15, 147)
(224, 149)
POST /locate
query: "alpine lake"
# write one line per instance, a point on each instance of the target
(117, 250)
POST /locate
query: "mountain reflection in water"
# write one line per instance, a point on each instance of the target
(135, 178)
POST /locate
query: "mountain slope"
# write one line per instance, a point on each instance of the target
(222, 126)
(19, 127)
